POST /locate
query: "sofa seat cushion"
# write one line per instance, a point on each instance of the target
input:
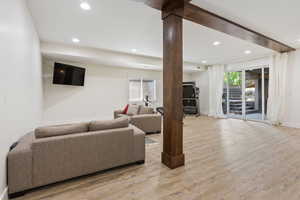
(145, 110)
(121, 122)
(58, 130)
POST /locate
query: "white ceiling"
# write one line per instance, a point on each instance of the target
(123, 25)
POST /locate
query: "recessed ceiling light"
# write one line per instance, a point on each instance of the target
(134, 50)
(75, 40)
(204, 61)
(85, 5)
(247, 52)
(216, 43)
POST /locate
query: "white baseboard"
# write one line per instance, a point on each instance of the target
(4, 195)
(204, 113)
(291, 124)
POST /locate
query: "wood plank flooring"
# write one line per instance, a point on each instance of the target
(226, 159)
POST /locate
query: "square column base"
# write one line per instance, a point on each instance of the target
(172, 161)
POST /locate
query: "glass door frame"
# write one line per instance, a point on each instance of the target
(243, 70)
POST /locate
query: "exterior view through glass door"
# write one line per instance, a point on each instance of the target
(233, 94)
(246, 93)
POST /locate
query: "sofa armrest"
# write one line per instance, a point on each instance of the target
(19, 166)
(139, 143)
(149, 123)
(117, 113)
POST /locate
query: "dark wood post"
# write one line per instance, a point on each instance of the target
(172, 155)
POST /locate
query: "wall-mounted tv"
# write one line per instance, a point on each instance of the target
(68, 75)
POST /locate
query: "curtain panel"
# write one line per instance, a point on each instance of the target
(277, 88)
(216, 83)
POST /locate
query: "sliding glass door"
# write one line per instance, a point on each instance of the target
(253, 94)
(246, 93)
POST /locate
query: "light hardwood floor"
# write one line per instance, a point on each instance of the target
(225, 159)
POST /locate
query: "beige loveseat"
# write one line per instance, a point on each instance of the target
(145, 118)
(56, 153)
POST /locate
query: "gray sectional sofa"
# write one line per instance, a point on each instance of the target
(56, 153)
(145, 118)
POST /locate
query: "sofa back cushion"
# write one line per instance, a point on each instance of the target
(145, 110)
(133, 109)
(58, 130)
(122, 122)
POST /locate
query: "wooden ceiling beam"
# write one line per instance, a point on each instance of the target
(205, 18)
(161, 4)
(208, 19)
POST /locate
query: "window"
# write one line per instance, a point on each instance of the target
(140, 88)
(135, 90)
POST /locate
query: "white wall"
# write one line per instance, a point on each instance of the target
(202, 81)
(105, 90)
(20, 77)
(292, 111)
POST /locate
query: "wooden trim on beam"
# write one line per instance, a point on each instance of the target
(161, 4)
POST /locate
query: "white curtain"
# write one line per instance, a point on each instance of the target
(277, 88)
(216, 81)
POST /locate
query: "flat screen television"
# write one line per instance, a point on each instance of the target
(68, 75)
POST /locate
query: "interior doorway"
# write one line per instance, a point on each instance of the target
(245, 93)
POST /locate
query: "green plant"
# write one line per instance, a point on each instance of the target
(233, 78)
